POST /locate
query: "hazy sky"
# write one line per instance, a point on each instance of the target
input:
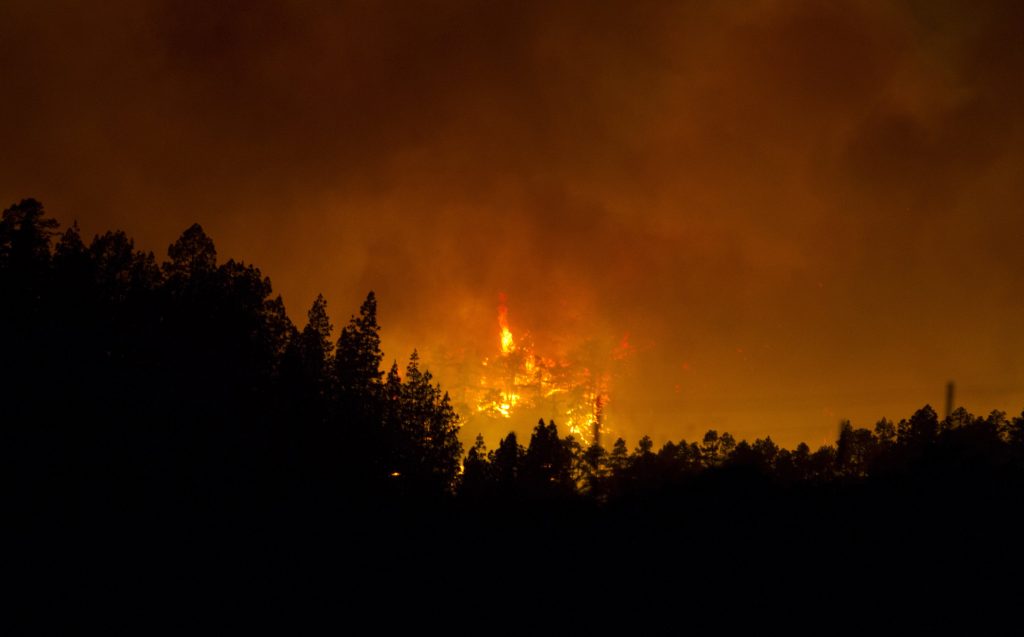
(798, 211)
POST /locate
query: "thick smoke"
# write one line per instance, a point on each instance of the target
(799, 211)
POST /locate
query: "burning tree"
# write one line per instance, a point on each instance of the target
(519, 380)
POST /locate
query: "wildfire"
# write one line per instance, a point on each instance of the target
(508, 344)
(519, 381)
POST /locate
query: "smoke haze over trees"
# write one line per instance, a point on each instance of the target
(796, 179)
(179, 390)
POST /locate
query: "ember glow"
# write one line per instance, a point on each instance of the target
(518, 381)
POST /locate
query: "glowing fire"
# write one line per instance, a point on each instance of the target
(518, 380)
(508, 345)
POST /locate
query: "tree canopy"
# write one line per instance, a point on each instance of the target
(183, 384)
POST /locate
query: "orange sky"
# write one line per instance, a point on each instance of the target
(798, 211)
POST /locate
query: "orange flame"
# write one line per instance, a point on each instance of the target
(508, 345)
(519, 381)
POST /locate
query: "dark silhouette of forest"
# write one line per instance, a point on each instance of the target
(158, 394)
(132, 383)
